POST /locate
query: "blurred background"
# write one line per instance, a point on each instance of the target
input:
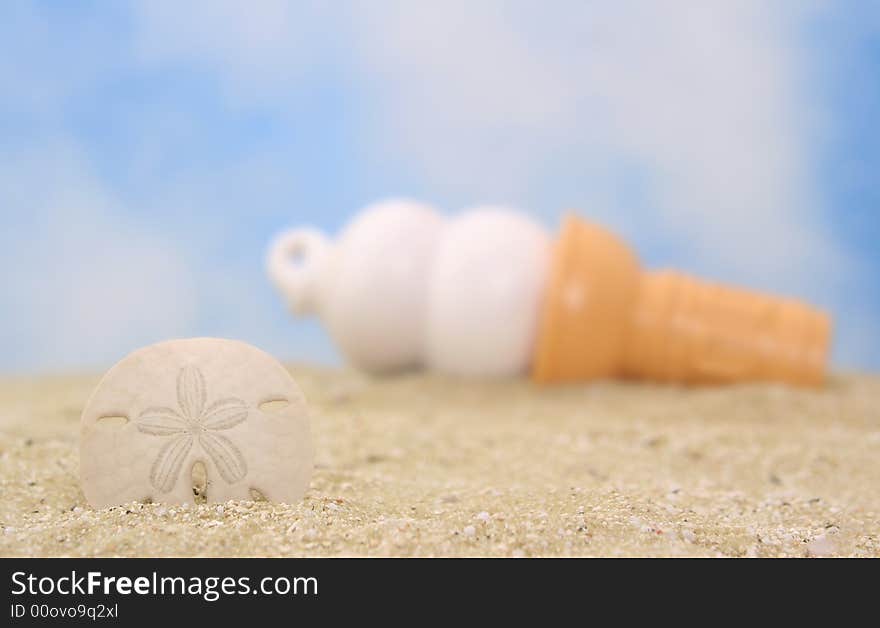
(149, 150)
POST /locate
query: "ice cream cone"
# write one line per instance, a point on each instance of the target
(603, 317)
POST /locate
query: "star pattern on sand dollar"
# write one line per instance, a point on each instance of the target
(194, 421)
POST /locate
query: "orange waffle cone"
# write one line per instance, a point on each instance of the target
(602, 317)
(592, 287)
(687, 330)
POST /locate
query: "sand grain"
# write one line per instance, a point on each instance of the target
(420, 466)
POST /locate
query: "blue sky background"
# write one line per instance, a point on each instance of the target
(150, 150)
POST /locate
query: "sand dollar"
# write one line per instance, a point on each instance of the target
(202, 419)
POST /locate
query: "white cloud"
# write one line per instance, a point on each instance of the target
(484, 98)
(262, 49)
(86, 286)
(706, 99)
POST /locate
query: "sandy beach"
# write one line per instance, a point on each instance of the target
(422, 466)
